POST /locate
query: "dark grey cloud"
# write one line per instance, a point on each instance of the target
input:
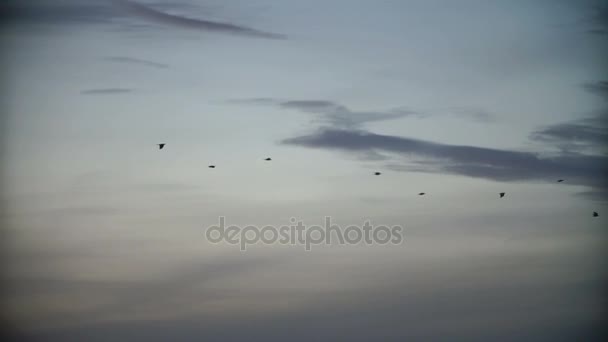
(471, 161)
(328, 113)
(583, 135)
(65, 12)
(576, 136)
(152, 14)
(599, 20)
(136, 61)
(57, 12)
(106, 91)
(599, 88)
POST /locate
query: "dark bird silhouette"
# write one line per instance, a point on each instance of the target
(560, 180)
(595, 214)
(377, 173)
(502, 194)
(421, 194)
(160, 146)
(212, 166)
(268, 159)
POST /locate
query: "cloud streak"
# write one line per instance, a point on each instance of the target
(599, 88)
(136, 61)
(471, 161)
(328, 113)
(576, 136)
(106, 91)
(582, 135)
(599, 21)
(190, 23)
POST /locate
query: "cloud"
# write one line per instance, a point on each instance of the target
(107, 12)
(328, 113)
(106, 91)
(57, 12)
(599, 88)
(476, 114)
(136, 61)
(599, 20)
(471, 161)
(198, 24)
(332, 114)
(583, 135)
(576, 136)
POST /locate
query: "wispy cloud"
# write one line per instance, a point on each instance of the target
(191, 23)
(332, 114)
(599, 20)
(583, 135)
(328, 113)
(598, 88)
(106, 91)
(106, 12)
(136, 61)
(474, 113)
(57, 12)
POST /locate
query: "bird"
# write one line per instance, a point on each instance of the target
(502, 194)
(377, 173)
(268, 159)
(160, 146)
(212, 166)
(421, 194)
(595, 214)
(560, 180)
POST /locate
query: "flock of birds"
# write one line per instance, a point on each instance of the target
(501, 194)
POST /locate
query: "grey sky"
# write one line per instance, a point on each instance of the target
(103, 234)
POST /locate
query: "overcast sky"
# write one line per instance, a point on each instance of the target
(104, 234)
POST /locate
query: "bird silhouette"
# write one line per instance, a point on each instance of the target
(560, 180)
(212, 166)
(160, 146)
(268, 159)
(595, 214)
(502, 194)
(421, 194)
(377, 173)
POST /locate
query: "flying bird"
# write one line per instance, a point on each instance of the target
(421, 194)
(560, 180)
(595, 214)
(268, 159)
(212, 166)
(160, 146)
(377, 173)
(502, 194)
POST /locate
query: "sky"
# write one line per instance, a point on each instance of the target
(103, 234)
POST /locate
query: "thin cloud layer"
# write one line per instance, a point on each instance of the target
(328, 113)
(106, 91)
(137, 61)
(82, 12)
(57, 12)
(599, 20)
(198, 24)
(576, 136)
(476, 114)
(599, 88)
(585, 135)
